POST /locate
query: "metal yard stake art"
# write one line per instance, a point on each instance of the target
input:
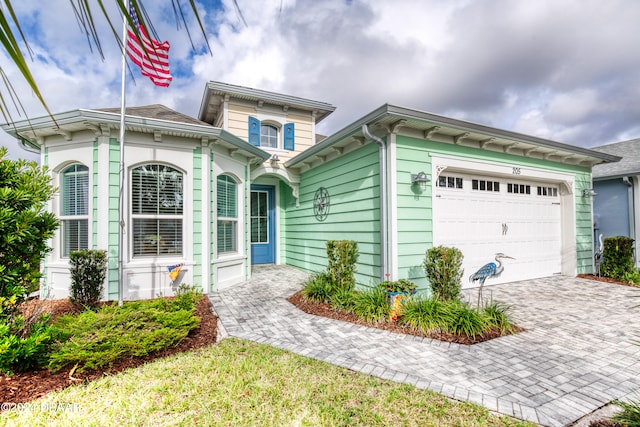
(489, 270)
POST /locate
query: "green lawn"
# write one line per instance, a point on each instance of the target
(241, 383)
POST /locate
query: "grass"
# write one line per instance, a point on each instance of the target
(242, 383)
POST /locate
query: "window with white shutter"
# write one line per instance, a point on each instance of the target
(74, 208)
(227, 203)
(156, 211)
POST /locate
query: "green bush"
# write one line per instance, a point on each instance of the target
(632, 276)
(460, 319)
(342, 299)
(138, 328)
(88, 270)
(496, 316)
(424, 314)
(25, 228)
(187, 296)
(342, 256)
(318, 288)
(617, 257)
(443, 268)
(402, 285)
(433, 315)
(24, 347)
(630, 414)
(372, 305)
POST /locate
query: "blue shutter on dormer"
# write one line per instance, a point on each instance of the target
(254, 131)
(289, 136)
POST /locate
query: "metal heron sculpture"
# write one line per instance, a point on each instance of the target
(487, 271)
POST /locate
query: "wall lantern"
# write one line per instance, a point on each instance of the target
(588, 192)
(419, 179)
(274, 159)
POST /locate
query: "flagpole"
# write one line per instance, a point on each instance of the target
(121, 224)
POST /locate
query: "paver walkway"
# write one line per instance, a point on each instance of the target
(576, 355)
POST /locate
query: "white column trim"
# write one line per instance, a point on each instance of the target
(206, 220)
(392, 208)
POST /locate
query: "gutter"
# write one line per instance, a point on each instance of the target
(382, 151)
(28, 145)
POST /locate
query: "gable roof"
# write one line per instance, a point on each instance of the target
(445, 129)
(156, 111)
(215, 93)
(629, 151)
(156, 119)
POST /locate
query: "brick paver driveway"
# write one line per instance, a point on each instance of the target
(576, 355)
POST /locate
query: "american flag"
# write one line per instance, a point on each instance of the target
(155, 62)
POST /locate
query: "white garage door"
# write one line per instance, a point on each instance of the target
(484, 215)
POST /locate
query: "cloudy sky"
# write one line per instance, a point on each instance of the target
(566, 70)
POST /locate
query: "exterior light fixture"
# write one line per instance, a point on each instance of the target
(274, 159)
(588, 192)
(419, 178)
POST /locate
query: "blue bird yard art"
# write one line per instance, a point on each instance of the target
(489, 270)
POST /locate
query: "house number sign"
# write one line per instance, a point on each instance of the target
(516, 171)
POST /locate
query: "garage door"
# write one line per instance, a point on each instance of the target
(484, 215)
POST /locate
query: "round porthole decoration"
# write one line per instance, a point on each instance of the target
(321, 204)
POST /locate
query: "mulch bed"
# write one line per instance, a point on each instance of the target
(606, 279)
(26, 386)
(325, 310)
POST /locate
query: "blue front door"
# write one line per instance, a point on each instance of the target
(263, 224)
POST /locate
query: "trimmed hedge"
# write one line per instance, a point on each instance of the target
(617, 257)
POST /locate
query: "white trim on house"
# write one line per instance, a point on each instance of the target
(392, 206)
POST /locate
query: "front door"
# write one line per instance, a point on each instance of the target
(263, 224)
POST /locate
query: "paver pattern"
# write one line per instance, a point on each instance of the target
(576, 355)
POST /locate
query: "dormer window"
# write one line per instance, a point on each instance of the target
(268, 135)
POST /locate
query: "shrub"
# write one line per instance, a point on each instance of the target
(617, 257)
(24, 346)
(342, 299)
(496, 315)
(425, 315)
(25, 227)
(460, 319)
(632, 276)
(342, 256)
(443, 268)
(372, 305)
(402, 285)
(96, 339)
(318, 288)
(630, 414)
(187, 296)
(88, 271)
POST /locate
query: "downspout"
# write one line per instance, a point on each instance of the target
(382, 152)
(632, 216)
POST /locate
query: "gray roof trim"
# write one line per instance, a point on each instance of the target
(25, 129)
(388, 110)
(338, 136)
(262, 95)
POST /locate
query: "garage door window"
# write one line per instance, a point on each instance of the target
(485, 185)
(518, 188)
(548, 191)
(449, 182)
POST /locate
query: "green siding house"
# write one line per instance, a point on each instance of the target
(250, 182)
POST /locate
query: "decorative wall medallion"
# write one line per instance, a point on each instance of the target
(321, 204)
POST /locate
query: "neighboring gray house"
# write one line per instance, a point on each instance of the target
(616, 206)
